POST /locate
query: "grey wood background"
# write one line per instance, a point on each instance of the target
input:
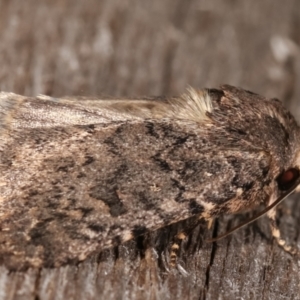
(140, 47)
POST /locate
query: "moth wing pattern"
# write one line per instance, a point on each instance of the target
(79, 178)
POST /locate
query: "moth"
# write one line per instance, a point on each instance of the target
(79, 175)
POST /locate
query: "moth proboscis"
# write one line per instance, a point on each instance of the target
(81, 175)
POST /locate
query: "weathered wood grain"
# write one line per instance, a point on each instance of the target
(134, 47)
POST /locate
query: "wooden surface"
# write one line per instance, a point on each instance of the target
(140, 47)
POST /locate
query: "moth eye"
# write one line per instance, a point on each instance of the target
(287, 178)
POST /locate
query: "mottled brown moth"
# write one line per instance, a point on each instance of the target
(81, 175)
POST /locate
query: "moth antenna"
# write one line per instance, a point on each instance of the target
(263, 212)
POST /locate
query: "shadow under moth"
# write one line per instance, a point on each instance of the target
(79, 175)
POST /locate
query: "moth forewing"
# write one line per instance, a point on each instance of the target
(77, 177)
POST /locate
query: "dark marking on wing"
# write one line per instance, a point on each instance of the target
(67, 163)
(117, 240)
(96, 227)
(161, 163)
(181, 190)
(88, 160)
(85, 211)
(150, 130)
(195, 207)
(110, 198)
(139, 230)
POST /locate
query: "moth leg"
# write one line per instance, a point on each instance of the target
(210, 222)
(181, 236)
(276, 233)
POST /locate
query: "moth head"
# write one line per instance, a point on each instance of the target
(288, 182)
(289, 154)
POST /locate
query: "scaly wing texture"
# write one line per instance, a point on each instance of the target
(77, 178)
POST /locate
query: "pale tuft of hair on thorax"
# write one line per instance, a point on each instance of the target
(192, 105)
